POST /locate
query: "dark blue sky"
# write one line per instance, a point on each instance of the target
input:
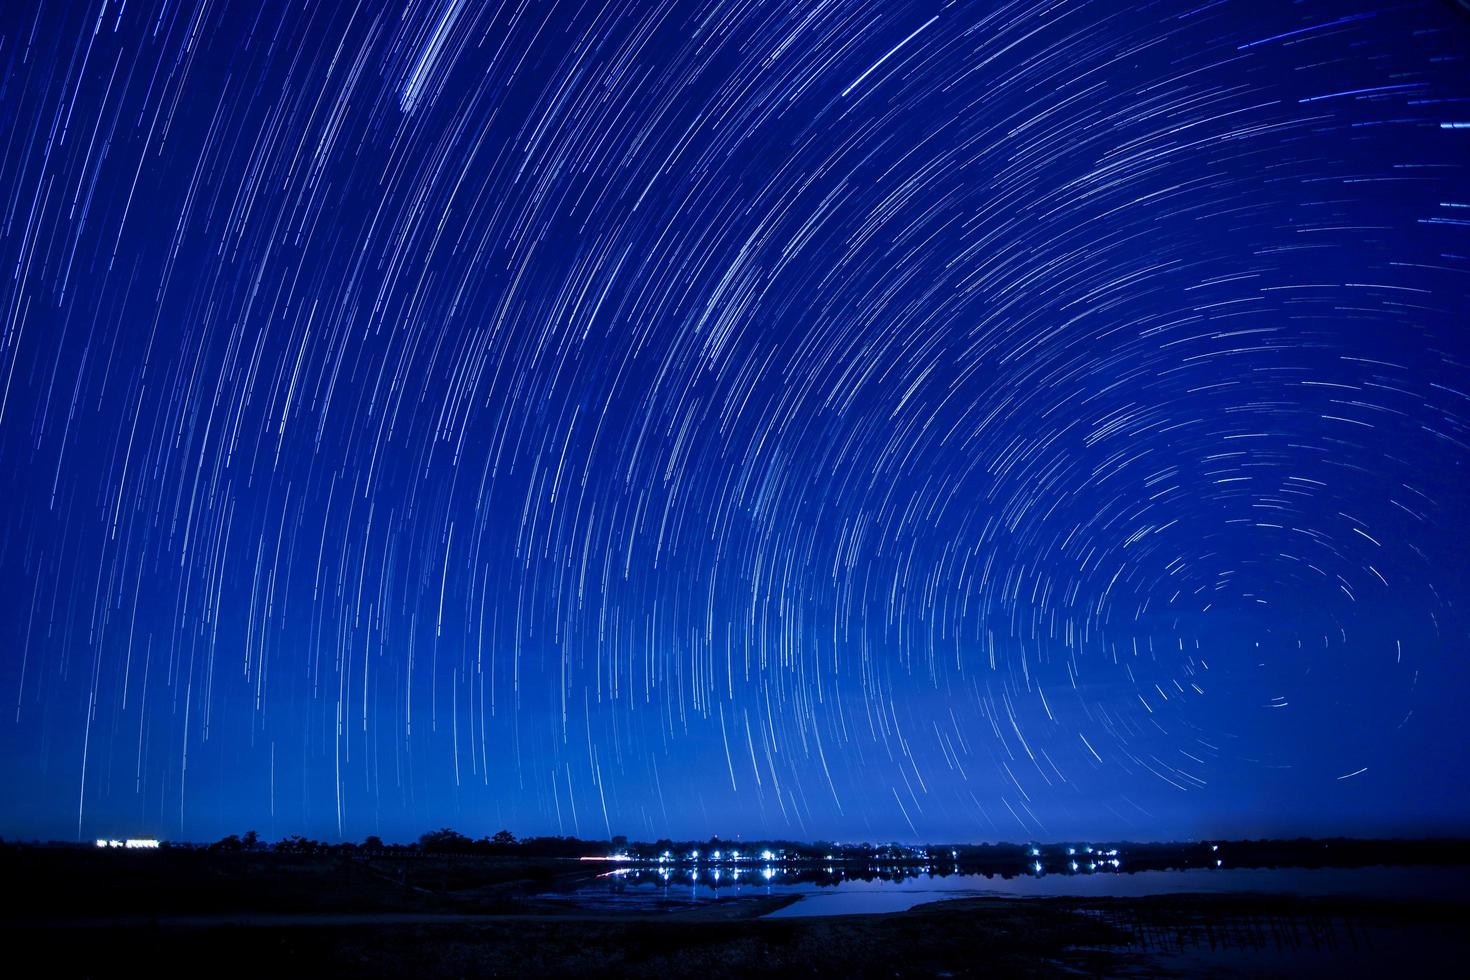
(887, 420)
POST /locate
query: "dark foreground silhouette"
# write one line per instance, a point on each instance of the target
(174, 913)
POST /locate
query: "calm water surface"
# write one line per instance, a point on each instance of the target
(835, 894)
(851, 897)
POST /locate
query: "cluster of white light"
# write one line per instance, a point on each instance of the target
(667, 857)
(131, 842)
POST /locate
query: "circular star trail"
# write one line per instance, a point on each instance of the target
(905, 420)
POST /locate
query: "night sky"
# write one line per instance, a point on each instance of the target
(884, 420)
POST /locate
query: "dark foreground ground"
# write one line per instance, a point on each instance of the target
(160, 915)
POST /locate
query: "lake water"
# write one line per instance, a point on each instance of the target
(835, 893)
(851, 897)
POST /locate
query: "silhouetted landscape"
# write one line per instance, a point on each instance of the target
(450, 905)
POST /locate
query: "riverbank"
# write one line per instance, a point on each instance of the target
(87, 914)
(1177, 935)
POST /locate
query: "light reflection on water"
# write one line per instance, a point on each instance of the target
(1377, 882)
(838, 891)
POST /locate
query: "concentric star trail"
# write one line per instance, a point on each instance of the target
(988, 420)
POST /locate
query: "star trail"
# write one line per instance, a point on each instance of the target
(917, 421)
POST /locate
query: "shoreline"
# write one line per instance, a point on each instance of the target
(1171, 935)
(162, 915)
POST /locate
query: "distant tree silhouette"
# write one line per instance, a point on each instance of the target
(445, 841)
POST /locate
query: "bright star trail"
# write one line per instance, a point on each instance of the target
(902, 420)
